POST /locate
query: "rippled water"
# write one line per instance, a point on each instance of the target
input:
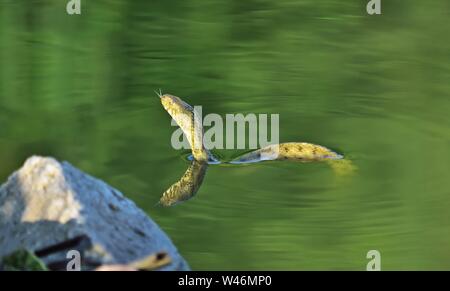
(375, 88)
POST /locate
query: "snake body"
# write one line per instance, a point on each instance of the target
(296, 151)
(191, 125)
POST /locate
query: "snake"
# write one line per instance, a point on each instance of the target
(190, 123)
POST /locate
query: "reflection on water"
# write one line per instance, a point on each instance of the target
(376, 89)
(188, 185)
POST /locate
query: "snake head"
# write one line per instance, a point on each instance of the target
(173, 103)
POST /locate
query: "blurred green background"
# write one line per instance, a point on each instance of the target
(375, 88)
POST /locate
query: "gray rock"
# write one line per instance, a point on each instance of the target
(50, 208)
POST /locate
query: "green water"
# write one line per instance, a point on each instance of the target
(375, 88)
